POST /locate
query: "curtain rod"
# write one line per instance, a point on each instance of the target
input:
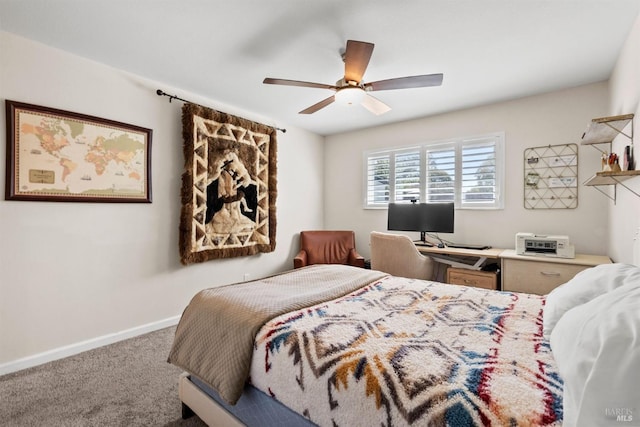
(172, 97)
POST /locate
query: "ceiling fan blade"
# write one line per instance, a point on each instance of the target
(406, 82)
(285, 82)
(374, 105)
(356, 60)
(319, 105)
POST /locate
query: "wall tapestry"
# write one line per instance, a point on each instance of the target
(228, 186)
(551, 177)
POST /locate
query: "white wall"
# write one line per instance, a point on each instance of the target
(549, 119)
(624, 215)
(70, 272)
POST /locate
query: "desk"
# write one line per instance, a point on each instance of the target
(519, 273)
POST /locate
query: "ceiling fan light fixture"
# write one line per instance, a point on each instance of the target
(351, 95)
(351, 89)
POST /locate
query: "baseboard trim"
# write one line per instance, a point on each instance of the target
(72, 349)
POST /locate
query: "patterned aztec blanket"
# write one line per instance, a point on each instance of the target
(409, 352)
(215, 336)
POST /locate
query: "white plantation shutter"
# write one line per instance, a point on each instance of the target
(407, 176)
(441, 173)
(468, 172)
(377, 179)
(479, 173)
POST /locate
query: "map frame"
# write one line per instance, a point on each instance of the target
(18, 165)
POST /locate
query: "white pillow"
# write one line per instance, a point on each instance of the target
(596, 346)
(585, 286)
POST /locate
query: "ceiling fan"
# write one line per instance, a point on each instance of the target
(352, 88)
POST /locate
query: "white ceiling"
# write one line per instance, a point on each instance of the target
(488, 50)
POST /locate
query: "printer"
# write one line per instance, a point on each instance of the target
(544, 245)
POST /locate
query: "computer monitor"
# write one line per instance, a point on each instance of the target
(421, 217)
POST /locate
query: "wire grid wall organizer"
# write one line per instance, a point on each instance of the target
(551, 177)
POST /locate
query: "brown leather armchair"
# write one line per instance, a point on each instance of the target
(328, 247)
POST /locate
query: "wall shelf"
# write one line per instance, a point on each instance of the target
(610, 178)
(604, 130)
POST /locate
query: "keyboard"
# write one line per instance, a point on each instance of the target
(464, 246)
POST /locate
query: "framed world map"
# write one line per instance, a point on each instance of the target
(56, 155)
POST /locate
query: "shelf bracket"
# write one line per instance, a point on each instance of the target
(620, 131)
(625, 186)
(601, 150)
(597, 187)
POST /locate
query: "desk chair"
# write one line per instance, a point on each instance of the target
(397, 255)
(328, 247)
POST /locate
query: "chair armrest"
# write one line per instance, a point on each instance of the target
(300, 260)
(356, 259)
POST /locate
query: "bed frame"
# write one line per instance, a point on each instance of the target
(196, 402)
(253, 409)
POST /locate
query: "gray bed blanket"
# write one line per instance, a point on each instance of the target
(215, 337)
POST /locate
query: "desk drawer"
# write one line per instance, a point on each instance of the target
(536, 277)
(479, 279)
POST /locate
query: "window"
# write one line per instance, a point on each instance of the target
(467, 171)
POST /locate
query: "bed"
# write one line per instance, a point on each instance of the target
(334, 345)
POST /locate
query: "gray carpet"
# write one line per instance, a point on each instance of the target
(124, 384)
